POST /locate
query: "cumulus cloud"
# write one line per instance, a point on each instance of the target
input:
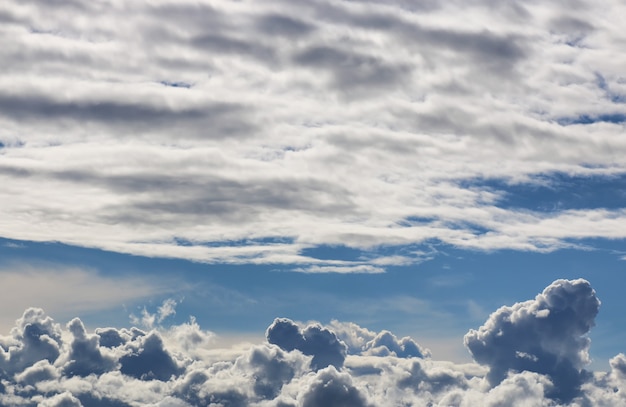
(334, 389)
(533, 353)
(65, 399)
(35, 337)
(146, 358)
(85, 356)
(313, 340)
(331, 123)
(362, 341)
(546, 335)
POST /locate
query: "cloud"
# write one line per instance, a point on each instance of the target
(313, 340)
(65, 399)
(148, 320)
(363, 268)
(85, 356)
(34, 338)
(283, 25)
(330, 123)
(146, 358)
(334, 389)
(273, 368)
(362, 341)
(534, 353)
(353, 72)
(546, 335)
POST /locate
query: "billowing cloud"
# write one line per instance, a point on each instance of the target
(534, 353)
(233, 132)
(334, 389)
(546, 335)
(147, 359)
(35, 337)
(313, 340)
(85, 356)
(362, 341)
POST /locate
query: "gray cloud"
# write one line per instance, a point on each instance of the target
(228, 45)
(220, 120)
(486, 48)
(313, 340)
(546, 335)
(333, 389)
(283, 26)
(433, 380)
(146, 358)
(110, 337)
(85, 357)
(353, 72)
(273, 368)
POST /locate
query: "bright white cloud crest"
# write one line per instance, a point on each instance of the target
(248, 131)
(44, 364)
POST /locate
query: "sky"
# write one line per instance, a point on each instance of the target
(312, 203)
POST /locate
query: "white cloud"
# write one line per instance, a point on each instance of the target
(304, 365)
(128, 126)
(546, 335)
(149, 321)
(364, 268)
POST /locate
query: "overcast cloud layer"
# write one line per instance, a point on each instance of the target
(532, 353)
(248, 131)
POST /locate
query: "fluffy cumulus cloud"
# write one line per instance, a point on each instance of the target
(314, 340)
(362, 341)
(532, 353)
(249, 132)
(545, 335)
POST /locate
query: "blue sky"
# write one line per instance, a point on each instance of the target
(436, 301)
(402, 166)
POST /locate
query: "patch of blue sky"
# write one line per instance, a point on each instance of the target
(466, 225)
(616, 118)
(176, 84)
(179, 241)
(609, 93)
(334, 252)
(11, 143)
(558, 191)
(412, 221)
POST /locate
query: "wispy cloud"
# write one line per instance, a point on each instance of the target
(124, 126)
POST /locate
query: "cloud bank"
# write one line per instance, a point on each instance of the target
(531, 353)
(249, 132)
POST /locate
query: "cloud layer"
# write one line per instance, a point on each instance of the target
(535, 353)
(247, 132)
